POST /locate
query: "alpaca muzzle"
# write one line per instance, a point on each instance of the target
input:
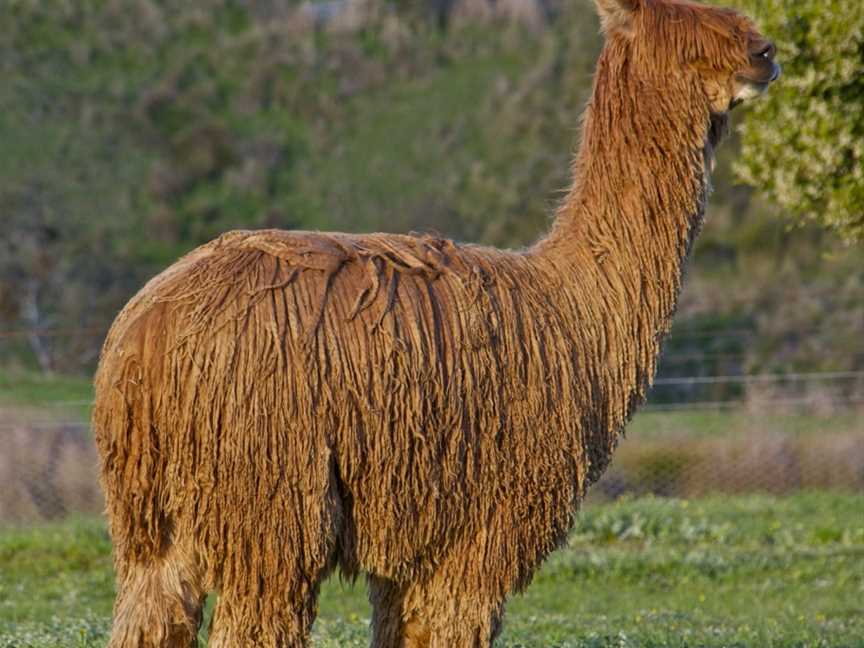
(761, 73)
(755, 82)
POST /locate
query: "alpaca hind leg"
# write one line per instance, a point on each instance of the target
(159, 604)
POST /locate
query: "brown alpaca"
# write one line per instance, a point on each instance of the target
(279, 404)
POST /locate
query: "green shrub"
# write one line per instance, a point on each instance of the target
(803, 144)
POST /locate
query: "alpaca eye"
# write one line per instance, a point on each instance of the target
(766, 52)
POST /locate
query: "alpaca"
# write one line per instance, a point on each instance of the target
(277, 405)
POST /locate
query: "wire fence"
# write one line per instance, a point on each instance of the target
(689, 350)
(49, 467)
(48, 470)
(768, 460)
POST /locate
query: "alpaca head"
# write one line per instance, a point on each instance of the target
(709, 57)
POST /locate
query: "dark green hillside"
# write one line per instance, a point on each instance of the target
(131, 134)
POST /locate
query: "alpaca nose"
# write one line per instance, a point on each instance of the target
(775, 74)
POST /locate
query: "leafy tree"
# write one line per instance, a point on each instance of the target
(803, 144)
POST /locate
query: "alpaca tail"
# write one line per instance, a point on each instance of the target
(132, 463)
(129, 461)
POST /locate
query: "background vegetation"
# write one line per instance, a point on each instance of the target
(804, 146)
(136, 130)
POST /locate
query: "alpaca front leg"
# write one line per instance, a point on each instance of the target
(434, 614)
(263, 619)
(394, 625)
(470, 622)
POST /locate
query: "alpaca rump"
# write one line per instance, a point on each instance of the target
(279, 404)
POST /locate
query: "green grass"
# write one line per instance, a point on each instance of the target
(45, 396)
(742, 571)
(696, 424)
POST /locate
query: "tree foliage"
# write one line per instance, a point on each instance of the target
(803, 144)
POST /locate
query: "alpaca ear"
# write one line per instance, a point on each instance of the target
(616, 15)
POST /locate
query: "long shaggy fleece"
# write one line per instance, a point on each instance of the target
(279, 403)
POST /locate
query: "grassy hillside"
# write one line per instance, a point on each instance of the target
(747, 571)
(134, 135)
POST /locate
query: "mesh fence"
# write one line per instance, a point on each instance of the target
(49, 469)
(766, 462)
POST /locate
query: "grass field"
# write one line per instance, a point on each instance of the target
(31, 395)
(734, 571)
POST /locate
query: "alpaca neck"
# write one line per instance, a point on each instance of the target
(623, 233)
